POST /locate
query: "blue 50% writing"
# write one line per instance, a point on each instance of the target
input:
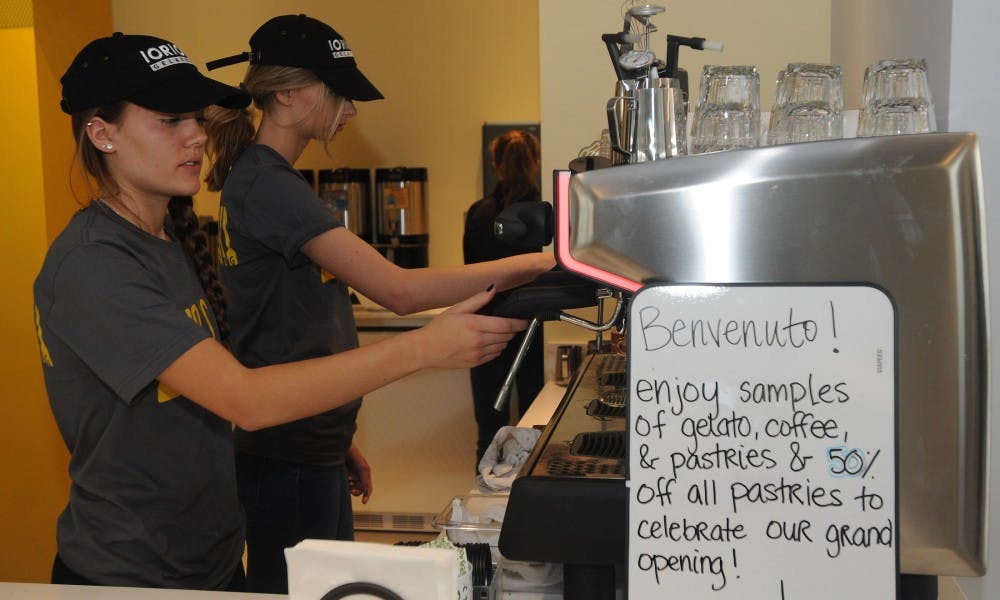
(842, 461)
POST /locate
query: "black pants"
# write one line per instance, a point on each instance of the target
(61, 574)
(286, 503)
(488, 378)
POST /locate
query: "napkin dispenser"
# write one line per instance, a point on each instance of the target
(320, 567)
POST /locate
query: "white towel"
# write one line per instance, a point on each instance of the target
(503, 458)
(416, 573)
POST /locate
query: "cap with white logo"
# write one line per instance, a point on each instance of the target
(144, 70)
(301, 41)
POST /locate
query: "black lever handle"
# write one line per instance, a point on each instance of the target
(525, 224)
(611, 40)
(544, 298)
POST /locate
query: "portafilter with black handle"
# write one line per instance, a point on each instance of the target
(548, 295)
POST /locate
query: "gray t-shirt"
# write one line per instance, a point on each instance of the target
(282, 306)
(153, 496)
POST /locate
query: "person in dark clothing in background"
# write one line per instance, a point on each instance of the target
(515, 156)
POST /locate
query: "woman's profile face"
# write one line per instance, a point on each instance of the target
(324, 119)
(349, 112)
(156, 154)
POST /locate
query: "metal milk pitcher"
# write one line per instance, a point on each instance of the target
(621, 120)
(660, 128)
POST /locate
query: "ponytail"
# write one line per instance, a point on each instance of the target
(230, 132)
(516, 159)
(188, 231)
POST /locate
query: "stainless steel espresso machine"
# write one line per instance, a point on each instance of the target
(904, 213)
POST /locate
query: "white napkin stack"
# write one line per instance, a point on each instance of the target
(416, 573)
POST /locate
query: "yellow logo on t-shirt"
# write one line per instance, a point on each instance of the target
(227, 256)
(164, 393)
(199, 314)
(46, 357)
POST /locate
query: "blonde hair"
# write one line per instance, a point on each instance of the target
(231, 131)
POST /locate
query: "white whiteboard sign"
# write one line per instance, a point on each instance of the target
(762, 443)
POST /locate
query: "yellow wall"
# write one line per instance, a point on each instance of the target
(29, 459)
(33, 460)
(61, 30)
(444, 67)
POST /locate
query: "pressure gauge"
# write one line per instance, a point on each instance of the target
(637, 59)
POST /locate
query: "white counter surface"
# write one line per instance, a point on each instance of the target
(543, 406)
(41, 591)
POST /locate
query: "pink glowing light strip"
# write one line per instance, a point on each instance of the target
(562, 242)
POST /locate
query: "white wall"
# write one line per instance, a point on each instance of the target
(864, 31)
(974, 95)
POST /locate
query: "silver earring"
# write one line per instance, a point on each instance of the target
(107, 146)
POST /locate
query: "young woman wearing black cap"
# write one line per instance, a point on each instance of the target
(277, 243)
(128, 313)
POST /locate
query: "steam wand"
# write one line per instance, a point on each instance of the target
(529, 334)
(674, 42)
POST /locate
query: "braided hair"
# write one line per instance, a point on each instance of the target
(192, 237)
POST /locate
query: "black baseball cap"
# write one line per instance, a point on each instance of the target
(145, 70)
(305, 42)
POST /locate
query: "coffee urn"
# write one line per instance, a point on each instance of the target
(401, 226)
(346, 192)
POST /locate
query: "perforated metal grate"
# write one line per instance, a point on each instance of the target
(599, 408)
(614, 396)
(612, 371)
(582, 468)
(602, 444)
(383, 521)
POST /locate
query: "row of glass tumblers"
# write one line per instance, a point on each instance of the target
(808, 104)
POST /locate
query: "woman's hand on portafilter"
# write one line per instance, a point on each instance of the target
(460, 338)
